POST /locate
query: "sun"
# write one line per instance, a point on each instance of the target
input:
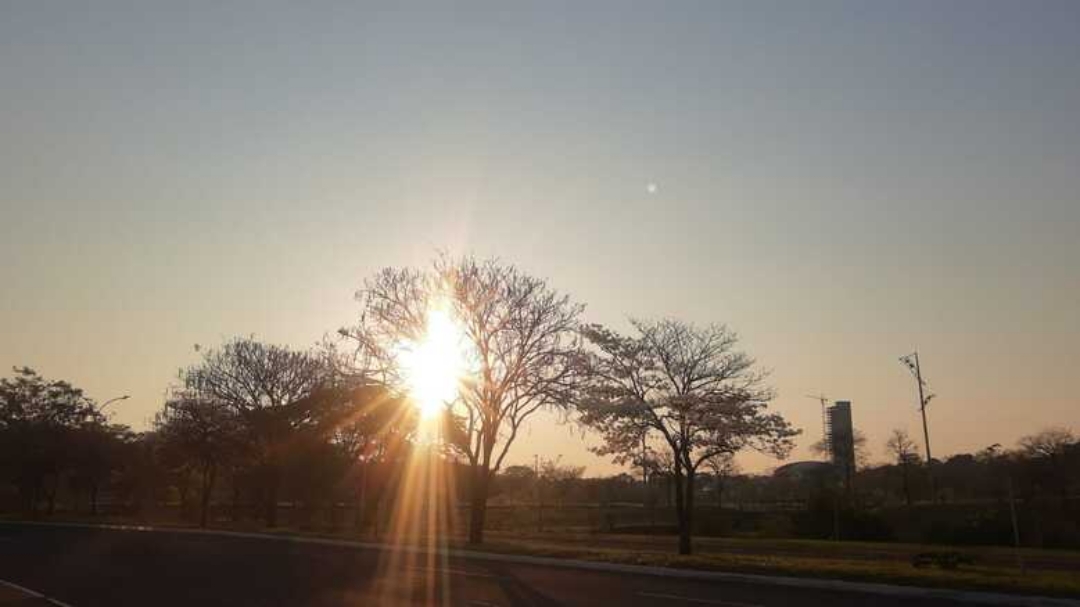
(434, 365)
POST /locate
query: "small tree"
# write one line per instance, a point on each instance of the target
(559, 478)
(1051, 445)
(205, 434)
(862, 450)
(98, 451)
(722, 466)
(906, 454)
(687, 386)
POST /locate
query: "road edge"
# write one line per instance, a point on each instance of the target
(893, 590)
(34, 594)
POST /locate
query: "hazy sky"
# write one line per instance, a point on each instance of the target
(840, 182)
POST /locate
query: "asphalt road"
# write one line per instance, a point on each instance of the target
(100, 567)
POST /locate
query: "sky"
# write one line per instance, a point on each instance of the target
(840, 182)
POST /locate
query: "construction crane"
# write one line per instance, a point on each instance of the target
(825, 438)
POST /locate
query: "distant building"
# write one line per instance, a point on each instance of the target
(840, 437)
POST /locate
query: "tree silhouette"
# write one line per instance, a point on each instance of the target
(523, 347)
(689, 387)
(906, 453)
(722, 466)
(39, 422)
(1051, 445)
(270, 388)
(204, 433)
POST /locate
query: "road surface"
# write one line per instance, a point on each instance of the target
(86, 567)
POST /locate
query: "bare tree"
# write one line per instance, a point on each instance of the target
(558, 478)
(1051, 445)
(1051, 442)
(523, 349)
(906, 453)
(722, 466)
(858, 439)
(689, 387)
(270, 387)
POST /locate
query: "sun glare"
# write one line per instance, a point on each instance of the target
(433, 366)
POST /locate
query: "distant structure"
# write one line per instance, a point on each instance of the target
(840, 438)
(805, 470)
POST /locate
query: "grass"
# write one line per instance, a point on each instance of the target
(1050, 573)
(829, 564)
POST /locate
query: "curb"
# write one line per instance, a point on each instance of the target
(910, 592)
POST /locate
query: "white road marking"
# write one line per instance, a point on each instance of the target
(691, 599)
(34, 593)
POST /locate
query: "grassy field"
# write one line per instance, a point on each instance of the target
(1048, 572)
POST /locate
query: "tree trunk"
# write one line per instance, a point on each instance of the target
(361, 499)
(271, 484)
(235, 508)
(182, 490)
(209, 476)
(270, 504)
(32, 499)
(50, 496)
(719, 492)
(683, 521)
(93, 498)
(907, 487)
(478, 504)
(688, 504)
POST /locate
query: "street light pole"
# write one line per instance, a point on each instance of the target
(102, 406)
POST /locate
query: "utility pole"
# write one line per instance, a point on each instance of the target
(912, 362)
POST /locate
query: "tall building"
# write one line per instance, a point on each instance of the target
(840, 436)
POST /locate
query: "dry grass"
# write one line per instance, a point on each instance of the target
(830, 562)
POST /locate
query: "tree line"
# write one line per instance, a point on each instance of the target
(251, 425)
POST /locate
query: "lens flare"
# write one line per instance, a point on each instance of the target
(434, 365)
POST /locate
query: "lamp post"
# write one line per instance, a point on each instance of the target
(102, 406)
(100, 429)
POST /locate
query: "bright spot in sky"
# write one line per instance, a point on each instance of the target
(652, 188)
(433, 367)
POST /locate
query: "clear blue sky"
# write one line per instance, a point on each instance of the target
(841, 182)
